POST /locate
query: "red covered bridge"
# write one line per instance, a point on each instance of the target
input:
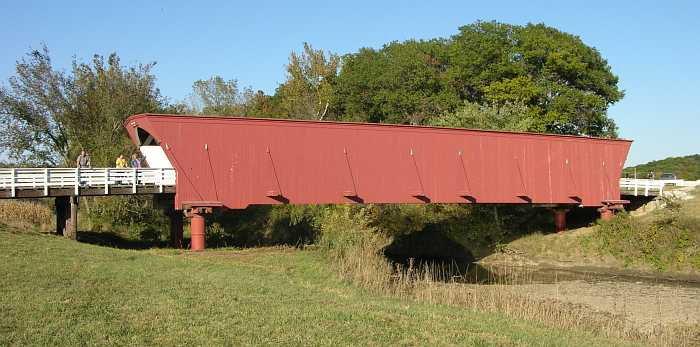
(237, 162)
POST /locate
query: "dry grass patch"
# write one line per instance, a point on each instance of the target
(26, 214)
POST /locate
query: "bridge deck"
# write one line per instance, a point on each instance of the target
(47, 182)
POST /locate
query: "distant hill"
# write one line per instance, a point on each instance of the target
(687, 167)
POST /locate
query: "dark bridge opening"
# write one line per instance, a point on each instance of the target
(146, 139)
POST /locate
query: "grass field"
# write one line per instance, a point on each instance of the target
(59, 292)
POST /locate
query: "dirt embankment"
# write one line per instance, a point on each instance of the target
(579, 249)
(569, 251)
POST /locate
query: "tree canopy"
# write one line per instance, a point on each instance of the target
(47, 116)
(488, 75)
(566, 85)
(308, 89)
(216, 96)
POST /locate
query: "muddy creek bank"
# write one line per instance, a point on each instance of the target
(644, 300)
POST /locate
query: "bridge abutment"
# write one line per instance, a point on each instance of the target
(66, 208)
(166, 202)
(62, 208)
(72, 225)
(176, 228)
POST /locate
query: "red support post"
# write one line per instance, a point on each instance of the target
(559, 219)
(197, 231)
(606, 213)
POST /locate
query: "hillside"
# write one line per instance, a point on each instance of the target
(687, 167)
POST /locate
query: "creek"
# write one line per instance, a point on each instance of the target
(645, 301)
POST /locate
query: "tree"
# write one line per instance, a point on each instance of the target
(216, 96)
(310, 77)
(105, 94)
(566, 85)
(47, 116)
(509, 116)
(35, 112)
(400, 83)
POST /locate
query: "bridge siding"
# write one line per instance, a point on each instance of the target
(239, 161)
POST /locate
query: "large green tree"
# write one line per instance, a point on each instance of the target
(307, 91)
(216, 96)
(47, 115)
(566, 85)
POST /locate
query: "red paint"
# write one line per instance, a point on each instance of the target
(197, 231)
(243, 161)
(606, 214)
(559, 219)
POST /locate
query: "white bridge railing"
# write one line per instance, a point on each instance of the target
(15, 179)
(647, 187)
(641, 186)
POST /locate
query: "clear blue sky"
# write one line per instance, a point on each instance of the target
(654, 47)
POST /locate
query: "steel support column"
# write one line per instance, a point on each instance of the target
(560, 219)
(197, 230)
(606, 213)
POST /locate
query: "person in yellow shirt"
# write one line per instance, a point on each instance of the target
(121, 162)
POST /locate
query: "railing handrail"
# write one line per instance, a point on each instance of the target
(14, 179)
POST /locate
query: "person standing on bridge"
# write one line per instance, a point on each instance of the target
(121, 162)
(135, 161)
(83, 160)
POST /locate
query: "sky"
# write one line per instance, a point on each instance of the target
(652, 46)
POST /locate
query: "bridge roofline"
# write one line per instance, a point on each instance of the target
(362, 124)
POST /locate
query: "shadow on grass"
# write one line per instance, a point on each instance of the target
(112, 239)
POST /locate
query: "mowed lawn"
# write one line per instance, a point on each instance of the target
(60, 292)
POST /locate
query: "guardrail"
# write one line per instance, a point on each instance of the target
(650, 187)
(681, 183)
(47, 179)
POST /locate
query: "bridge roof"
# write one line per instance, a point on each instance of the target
(361, 124)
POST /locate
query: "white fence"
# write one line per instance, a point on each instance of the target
(14, 179)
(681, 183)
(642, 186)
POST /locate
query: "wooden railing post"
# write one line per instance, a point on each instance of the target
(646, 188)
(160, 180)
(46, 182)
(133, 186)
(106, 181)
(13, 174)
(77, 181)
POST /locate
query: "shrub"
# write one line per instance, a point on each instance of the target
(135, 217)
(669, 240)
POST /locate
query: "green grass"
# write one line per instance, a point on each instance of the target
(60, 292)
